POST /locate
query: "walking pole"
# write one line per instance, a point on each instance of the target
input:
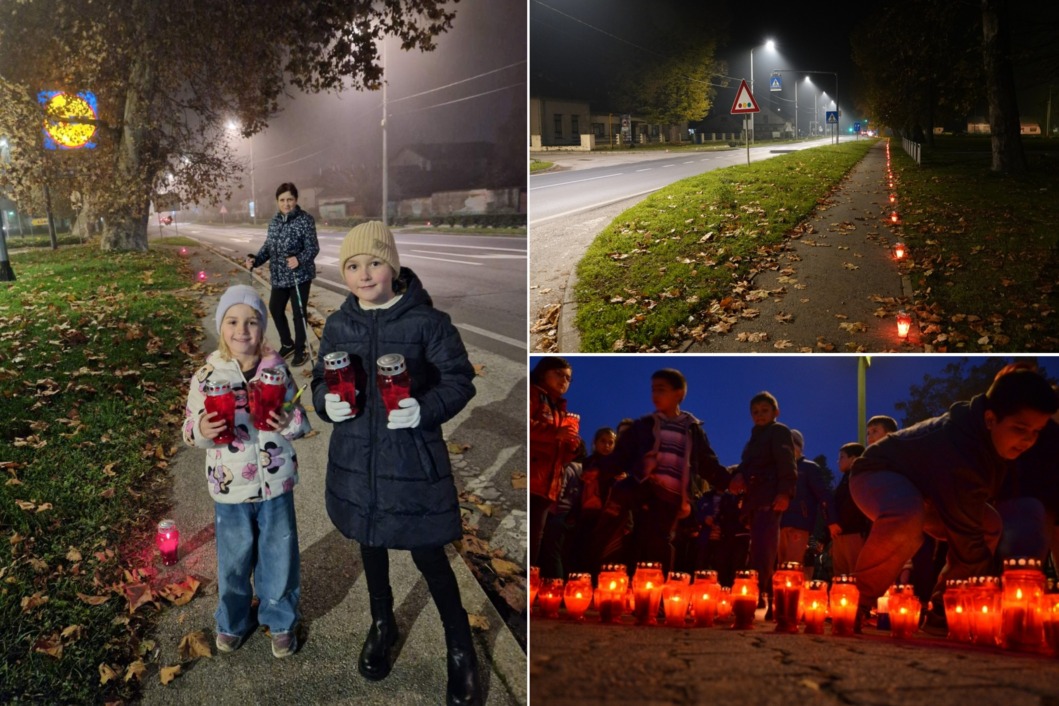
(305, 318)
(250, 270)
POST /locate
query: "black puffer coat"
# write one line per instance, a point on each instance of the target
(290, 234)
(393, 487)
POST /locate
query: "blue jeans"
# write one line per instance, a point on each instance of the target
(260, 540)
(900, 517)
(764, 545)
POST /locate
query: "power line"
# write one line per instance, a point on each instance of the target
(456, 83)
(460, 100)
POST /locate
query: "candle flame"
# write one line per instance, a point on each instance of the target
(744, 590)
(842, 601)
(985, 609)
(650, 585)
(959, 609)
(815, 605)
(903, 610)
(613, 585)
(788, 583)
(1018, 594)
(577, 595)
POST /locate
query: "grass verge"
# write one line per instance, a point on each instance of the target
(984, 247)
(94, 358)
(537, 165)
(653, 275)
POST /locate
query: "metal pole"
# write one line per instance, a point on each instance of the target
(6, 273)
(863, 362)
(253, 186)
(51, 218)
(385, 171)
(751, 116)
(796, 134)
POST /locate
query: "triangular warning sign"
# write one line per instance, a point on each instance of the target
(744, 101)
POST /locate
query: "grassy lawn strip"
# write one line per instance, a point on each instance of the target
(537, 165)
(94, 358)
(985, 248)
(651, 278)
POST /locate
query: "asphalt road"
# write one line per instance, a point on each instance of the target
(479, 281)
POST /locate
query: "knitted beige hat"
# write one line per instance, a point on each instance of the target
(371, 238)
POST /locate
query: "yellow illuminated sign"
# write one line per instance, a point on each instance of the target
(70, 121)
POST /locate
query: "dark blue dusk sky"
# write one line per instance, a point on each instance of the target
(817, 394)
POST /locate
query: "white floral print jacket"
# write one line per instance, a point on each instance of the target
(258, 465)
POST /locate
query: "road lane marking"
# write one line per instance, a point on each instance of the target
(470, 247)
(497, 256)
(590, 207)
(494, 336)
(445, 259)
(645, 170)
(576, 181)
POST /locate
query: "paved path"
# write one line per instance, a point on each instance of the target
(334, 595)
(589, 663)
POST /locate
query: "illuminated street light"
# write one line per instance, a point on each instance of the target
(771, 46)
(234, 127)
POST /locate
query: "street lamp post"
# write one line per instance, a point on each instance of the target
(6, 273)
(252, 206)
(770, 45)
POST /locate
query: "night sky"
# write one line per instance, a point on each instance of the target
(817, 394)
(573, 44)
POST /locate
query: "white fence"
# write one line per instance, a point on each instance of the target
(914, 149)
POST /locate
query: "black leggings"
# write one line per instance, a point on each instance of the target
(434, 566)
(277, 307)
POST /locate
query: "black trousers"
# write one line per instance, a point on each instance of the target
(434, 566)
(277, 308)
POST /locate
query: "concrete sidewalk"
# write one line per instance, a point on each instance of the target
(334, 601)
(591, 663)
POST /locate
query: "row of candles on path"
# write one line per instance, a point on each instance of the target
(904, 320)
(1013, 612)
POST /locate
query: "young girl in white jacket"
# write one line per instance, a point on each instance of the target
(251, 480)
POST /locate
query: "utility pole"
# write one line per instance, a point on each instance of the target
(6, 273)
(863, 363)
(385, 170)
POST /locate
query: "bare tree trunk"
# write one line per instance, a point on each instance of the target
(1008, 157)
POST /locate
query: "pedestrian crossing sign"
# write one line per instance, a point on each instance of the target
(832, 117)
(744, 101)
(775, 84)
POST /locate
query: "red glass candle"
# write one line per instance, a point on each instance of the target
(1051, 622)
(957, 614)
(577, 595)
(221, 400)
(724, 603)
(340, 377)
(899, 251)
(984, 595)
(610, 592)
(1021, 604)
(167, 539)
(535, 583)
(843, 605)
(744, 599)
(550, 597)
(786, 595)
(675, 594)
(705, 592)
(904, 611)
(904, 323)
(266, 396)
(392, 378)
(815, 600)
(647, 590)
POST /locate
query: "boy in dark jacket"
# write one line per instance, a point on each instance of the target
(852, 523)
(659, 453)
(768, 471)
(798, 522)
(389, 482)
(939, 476)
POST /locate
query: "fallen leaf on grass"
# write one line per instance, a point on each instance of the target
(514, 595)
(106, 673)
(194, 645)
(73, 555)
(50, 645)
(182, 592)
(137, 594)
(32, 602)
(168, 674)
(93, 600)
(136, 669)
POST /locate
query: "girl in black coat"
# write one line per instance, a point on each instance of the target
(389, 483)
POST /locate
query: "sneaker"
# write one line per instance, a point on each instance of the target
(228, 643)
(299, 359)
(286, 351)
(284, 644)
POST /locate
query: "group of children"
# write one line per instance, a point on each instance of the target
(389, 482)
(940, 500)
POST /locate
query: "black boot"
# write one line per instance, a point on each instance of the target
(464, 687)
(376, 657)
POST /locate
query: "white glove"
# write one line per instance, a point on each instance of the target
(406, 417)
(337, 409)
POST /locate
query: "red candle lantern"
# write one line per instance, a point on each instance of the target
(577, 595)
(815, 600)
(393, 380)
(266, 396)
(904, 323)
(724, 603)
(893, 198)
(899, 251)
(535, 583)
(202, 276)
(786, 595)
(183, 251)
(1051, 622)
(957, 613)
(675, 594)
(550, 597)
(1022, 603)
(984, 597)
(220, 400)
(647, 591)
(744, 599)
(844, 600)
(341, 378)
(894, 217)
(610, 592)
(705, 592)
(904, 611)
(167, 539)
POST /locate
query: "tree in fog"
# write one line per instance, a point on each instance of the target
(169, 76)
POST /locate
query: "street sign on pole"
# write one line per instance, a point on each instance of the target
(744, 101)
(775, 83)
(831, 117)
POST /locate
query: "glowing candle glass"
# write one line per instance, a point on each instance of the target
(786, 595)
(675, 594)
(167, 539)
(1022, 604)
(577, 595)
(904, 611)
(744, 599)
(340, 377)
(724, 603)
(393, 380)
(704, 594)
(221, 400)
(899, 251)
(957, 610)
(610, 592)
(266, 396)
(904, 323)
(550, 597)
(814, 597)
(844, 600)
(647, 590)
(1051, 622)
(984, 594)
